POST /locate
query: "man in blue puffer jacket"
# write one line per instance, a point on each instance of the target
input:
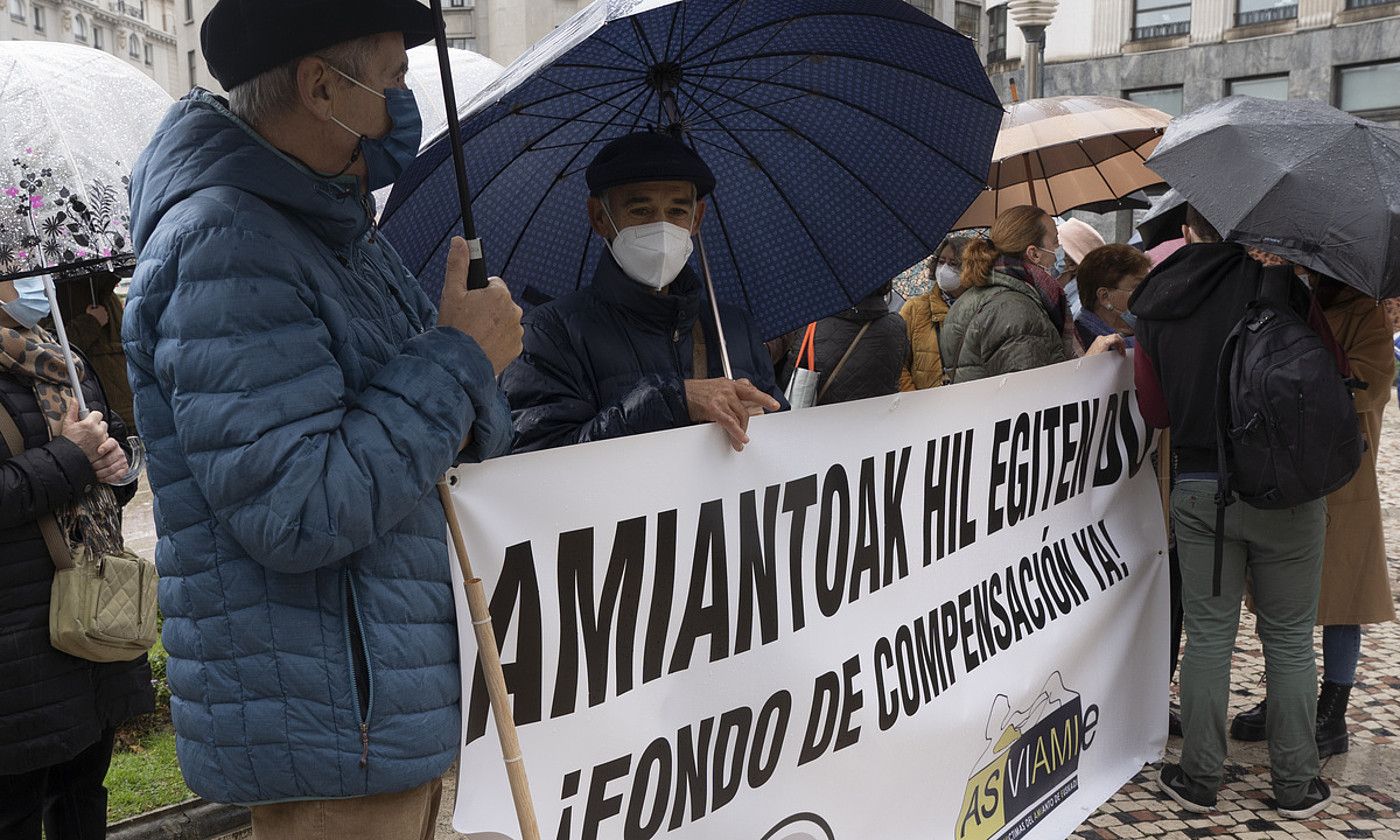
(299, 399)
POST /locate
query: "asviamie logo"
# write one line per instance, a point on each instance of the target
(1030, 765)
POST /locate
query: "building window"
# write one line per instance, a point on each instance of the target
(1370, 89)
(1265, 11)
(189, 11)
(134, 8)
(80, 29)
(191, 67)
(99, 37)
(925, 6)
(996, 34)
(1361, 4)
(1167, 99)
(150, 55)
(967, 19)
(17, 11)
(40, 23)
(1264, 87)
(133, 47)
(1161, 19)
(461, 4)
(460, 43)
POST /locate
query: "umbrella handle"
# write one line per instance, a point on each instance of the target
(63, 342)
(714, 308)
(476, 271)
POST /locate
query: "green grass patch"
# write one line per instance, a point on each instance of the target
(144, 776)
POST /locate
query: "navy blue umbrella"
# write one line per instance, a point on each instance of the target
(846, 137)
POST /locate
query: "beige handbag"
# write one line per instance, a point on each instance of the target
(101, 608)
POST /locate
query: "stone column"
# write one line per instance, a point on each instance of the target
(1210, 19)
(1314, 14)
(1111, 26)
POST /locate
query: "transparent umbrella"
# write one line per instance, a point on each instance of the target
(75, 121)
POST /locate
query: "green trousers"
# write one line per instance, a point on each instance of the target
(1282, 552)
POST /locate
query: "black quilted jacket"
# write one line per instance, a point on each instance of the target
(52, 705)
(873, 367)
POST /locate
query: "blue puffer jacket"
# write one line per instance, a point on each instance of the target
(297, 407)
(611, 360)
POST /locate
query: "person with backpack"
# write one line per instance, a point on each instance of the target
(1355, 580)
(858, 353)
(1209, 314)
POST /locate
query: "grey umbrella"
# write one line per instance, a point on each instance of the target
(1300, 179)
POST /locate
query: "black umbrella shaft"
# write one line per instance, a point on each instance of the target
(476, 275)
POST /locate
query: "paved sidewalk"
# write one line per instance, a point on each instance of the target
(1365, 781)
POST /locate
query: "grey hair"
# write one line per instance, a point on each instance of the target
(274, 92)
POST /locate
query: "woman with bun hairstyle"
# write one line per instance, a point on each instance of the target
(1013, 315)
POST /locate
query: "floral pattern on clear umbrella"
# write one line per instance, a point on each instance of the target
(76, 119)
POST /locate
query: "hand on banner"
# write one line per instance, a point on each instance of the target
(1105, 343)
(487, 315)
(730, 403)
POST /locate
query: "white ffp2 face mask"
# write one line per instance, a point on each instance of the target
(652, 254)
(949, 278)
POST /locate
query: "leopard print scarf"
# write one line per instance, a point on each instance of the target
(93, 520)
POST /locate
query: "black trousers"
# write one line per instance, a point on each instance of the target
(67, 800)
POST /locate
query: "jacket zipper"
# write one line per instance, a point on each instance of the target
(355, 643)
(676, 352)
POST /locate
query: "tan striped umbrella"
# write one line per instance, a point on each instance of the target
(1065, 152)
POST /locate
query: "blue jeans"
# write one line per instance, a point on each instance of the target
(1341, 648)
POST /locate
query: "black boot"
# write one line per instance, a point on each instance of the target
(1332, 719)
(1249, 725)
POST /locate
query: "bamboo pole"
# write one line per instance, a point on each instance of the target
(490, 657)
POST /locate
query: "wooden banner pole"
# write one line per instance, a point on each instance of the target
(490, 657)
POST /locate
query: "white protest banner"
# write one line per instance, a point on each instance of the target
(934, 615)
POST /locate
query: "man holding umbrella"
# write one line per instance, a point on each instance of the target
(300, 398)
(633, 352)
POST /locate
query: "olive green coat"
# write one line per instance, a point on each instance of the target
(998, 328)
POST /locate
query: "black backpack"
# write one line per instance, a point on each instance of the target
(1286, 427)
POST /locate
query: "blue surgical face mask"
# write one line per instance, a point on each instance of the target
(1059, 267)
(32, 305)
(1129, 320)
(387, 157)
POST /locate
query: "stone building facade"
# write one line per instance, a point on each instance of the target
(1177, 55)
(142, 32)
(498, 29)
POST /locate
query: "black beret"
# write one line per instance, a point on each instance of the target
(244, 38)
(648, 156)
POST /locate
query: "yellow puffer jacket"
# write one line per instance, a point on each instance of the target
(923, 316)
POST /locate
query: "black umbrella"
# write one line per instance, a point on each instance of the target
(1298, 178)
